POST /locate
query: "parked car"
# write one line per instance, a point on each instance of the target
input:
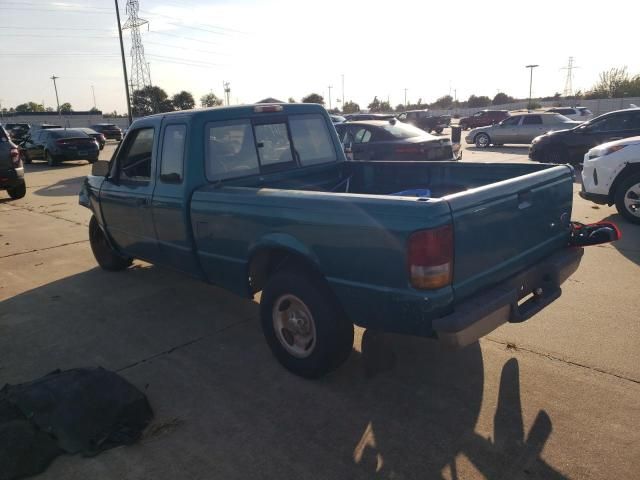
(569, 146)
(109, 130)
(337, 118)
(483, 118)
(368, 116)
(260, 198)
(57, 145)
(99, 137)
(425, 120)
(11, 168)
(17, 131)
(611, 175)
(48, 126)
(392, 140)
(518, 128)
(580, 114)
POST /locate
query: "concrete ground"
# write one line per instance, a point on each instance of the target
(556, 397)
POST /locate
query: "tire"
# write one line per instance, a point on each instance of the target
(482, 140)
(50, 160)
(627, 198)
(18, 191)
(106, 257)
(556, 154)
(25, 158)
(438, 131)
(322, 337)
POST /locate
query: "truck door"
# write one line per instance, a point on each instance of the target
(125, 197)
(170, 205)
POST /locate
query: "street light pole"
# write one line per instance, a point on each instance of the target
(405, 97)
(124, 65)
(530, 67)
(330, 87)
(93, 91)
(55, 87)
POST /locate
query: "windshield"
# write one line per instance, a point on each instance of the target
(403, 130)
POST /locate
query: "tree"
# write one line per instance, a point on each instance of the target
(478, 102)
(611, 84)
(350, 107)
(94, 110)
(444, 102)
(374, 106)
(210, 100)
(291, 100)
(66, 108)
(183, 101)
(385, 107)
(49, 109)
(313, 98)
(502, 98)
(400, 107)
(150, 100)
(29, 107)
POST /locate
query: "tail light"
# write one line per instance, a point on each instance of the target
(430, 258)
(15, 157)
(102, 137)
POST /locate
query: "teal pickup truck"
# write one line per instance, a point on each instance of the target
(260, 198)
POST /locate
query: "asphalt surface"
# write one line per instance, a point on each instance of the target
(556, 397)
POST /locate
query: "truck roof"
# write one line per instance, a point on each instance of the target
(238, 111)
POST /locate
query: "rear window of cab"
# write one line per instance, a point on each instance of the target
(238, 148)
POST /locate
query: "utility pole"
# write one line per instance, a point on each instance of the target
(530, 67)
(405, 96)
(343, 90)
(227, 92)
(55, 87)
(124, 66)
(93, 91)
(568, 83)
(330, 87)
(149, 68)
(140, 77)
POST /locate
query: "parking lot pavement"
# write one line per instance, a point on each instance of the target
(553, 398)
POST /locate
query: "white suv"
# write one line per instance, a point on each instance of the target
(580, 114)
(611, 175)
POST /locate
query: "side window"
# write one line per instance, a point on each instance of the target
(362, 136)
(532, 120)
(612, 123)
(134, 162)
(171, 169)
(511, 121)
(311, 139)
(635, 121)
(273, 144)
(230, 150)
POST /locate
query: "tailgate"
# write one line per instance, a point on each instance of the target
(505, 227)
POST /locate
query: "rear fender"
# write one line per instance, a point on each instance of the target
(629, 169)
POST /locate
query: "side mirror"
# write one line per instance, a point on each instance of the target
(100, 168)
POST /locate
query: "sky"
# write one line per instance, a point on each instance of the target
(290, 48)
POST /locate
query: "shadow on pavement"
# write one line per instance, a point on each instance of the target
(512, 149)
(62, 188)
(629, 244)
(39, 166)
(402, 408)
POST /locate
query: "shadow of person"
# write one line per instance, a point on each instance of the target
(422, 404)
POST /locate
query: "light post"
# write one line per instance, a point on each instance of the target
(55, 87)
(530, 67)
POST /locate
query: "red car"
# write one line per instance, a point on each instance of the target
(483, 118)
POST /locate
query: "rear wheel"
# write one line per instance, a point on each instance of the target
(482, 140)
(303, 324)
(628, 198)
(106, 257)
(18, 191)
(24, 156)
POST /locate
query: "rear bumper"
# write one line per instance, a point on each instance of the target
(11, 177)
(486, 311)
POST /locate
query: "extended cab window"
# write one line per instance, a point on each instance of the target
(231, 150)
(134, 163)
(173, 153)
(311, 139)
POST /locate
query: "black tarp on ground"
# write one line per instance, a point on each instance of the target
(84, 410)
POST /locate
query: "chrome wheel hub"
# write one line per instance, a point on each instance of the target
(632, 200)
(294, 326)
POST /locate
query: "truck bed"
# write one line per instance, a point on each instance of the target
(346, 218)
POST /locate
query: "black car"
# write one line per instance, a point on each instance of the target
(17, 131)
(425, 120)
(570, 146)
(11, 169)
(99, 137)
(368, 116)
(109, 130)
(392, 140)
(59, 144)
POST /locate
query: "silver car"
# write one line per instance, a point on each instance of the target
(519, 128)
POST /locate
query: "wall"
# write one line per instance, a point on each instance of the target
(74, 119)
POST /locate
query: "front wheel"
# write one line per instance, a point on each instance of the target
(106, 257)
(18, 191)
(482, 140)
(304, 326)
(50, 160)
(628, 198)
